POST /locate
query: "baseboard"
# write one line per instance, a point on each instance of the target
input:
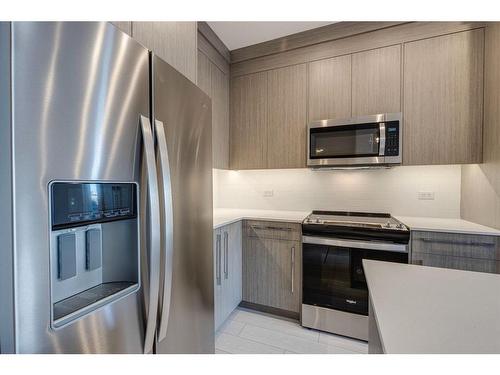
(270, 310)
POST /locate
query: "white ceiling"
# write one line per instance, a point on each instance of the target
(241, 34)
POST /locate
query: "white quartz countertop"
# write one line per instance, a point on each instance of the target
(434, 310)
(431, 224)
(224, 216)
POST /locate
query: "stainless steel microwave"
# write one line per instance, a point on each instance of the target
(360, 141)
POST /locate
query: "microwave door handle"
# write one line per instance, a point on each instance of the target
(167, 226)
(381, 151)
(154, 245)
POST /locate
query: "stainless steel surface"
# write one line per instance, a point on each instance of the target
(154, 238)
(218, 259)
(376, 222)
(186, 113)
(334, 321)
(77, 90)
(369, 245)
(357, 161)
(292, 250)
(167, 227)
(226, 255)
(7, 333)
(382, 139)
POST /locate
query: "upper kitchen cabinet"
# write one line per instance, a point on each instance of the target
(376, 81)
(125, 26)
(204, 74)
(220, 117)
(443, 99)
(213, 79)
(174, 42)
(286, 130)
(330, 88)
(249, 111)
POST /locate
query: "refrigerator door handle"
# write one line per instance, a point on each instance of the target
(154, 245)
(167, 227)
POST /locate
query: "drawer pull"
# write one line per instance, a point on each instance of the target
(462, 243)
(258, 227)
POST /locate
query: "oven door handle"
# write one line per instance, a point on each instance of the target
(368, 245)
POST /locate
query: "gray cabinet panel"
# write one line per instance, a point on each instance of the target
(376, 81)
(248, 121)
(227, 271)
(443, 99)
(458, 251)
(272, 272)
(330, 88)
(174, 42)
(125, 26)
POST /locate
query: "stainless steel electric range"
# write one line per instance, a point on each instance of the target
(334, 290)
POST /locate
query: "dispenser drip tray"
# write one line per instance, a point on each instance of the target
(90, 299)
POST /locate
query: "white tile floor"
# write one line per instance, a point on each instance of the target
(251, 332)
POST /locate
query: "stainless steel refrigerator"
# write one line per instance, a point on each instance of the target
(105, 196)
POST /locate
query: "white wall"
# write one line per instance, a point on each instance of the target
(384, 190)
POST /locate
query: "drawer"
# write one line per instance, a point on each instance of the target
(458, 263)
(274, 230)
(456, 245)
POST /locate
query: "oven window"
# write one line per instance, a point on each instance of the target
(344, 141)
(333, 277)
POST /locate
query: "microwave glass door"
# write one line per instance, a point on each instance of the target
(344, 141)
(333, 276)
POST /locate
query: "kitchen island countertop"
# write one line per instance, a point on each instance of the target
(418, 309)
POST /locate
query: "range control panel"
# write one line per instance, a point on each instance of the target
(392, 138)
(75, 204)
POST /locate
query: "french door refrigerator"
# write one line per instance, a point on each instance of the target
(105, 196)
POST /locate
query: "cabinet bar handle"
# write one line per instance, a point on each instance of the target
(226, 256)
(485, 244)
(218, 260)
(259, 227)
(293, 265)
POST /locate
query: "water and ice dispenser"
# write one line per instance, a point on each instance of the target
(94, 246)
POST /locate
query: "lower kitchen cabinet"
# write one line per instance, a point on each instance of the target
(272, 254)
(227, 271)
(458, 251)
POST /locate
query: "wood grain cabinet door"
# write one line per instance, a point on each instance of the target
(376, 81)
(287, 117)
(443, 99)
(204, 74)
(271, 273)
(467, 252)
(174, 42)
(248, 132)
(330, 88)
(220, 117)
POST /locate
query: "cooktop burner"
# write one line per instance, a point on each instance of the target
(380, 221)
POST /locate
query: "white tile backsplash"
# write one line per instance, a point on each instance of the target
(392, 190)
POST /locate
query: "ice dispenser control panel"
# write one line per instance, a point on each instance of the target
(94, 250)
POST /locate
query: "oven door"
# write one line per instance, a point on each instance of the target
(333, 275)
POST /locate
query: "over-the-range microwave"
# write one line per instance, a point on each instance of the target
(360, 141)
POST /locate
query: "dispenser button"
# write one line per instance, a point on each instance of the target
(66, 256)
(93, 258)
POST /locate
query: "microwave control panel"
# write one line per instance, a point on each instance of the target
(392, 138)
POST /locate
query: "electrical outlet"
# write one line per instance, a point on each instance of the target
(268, 193)
(425, 195)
